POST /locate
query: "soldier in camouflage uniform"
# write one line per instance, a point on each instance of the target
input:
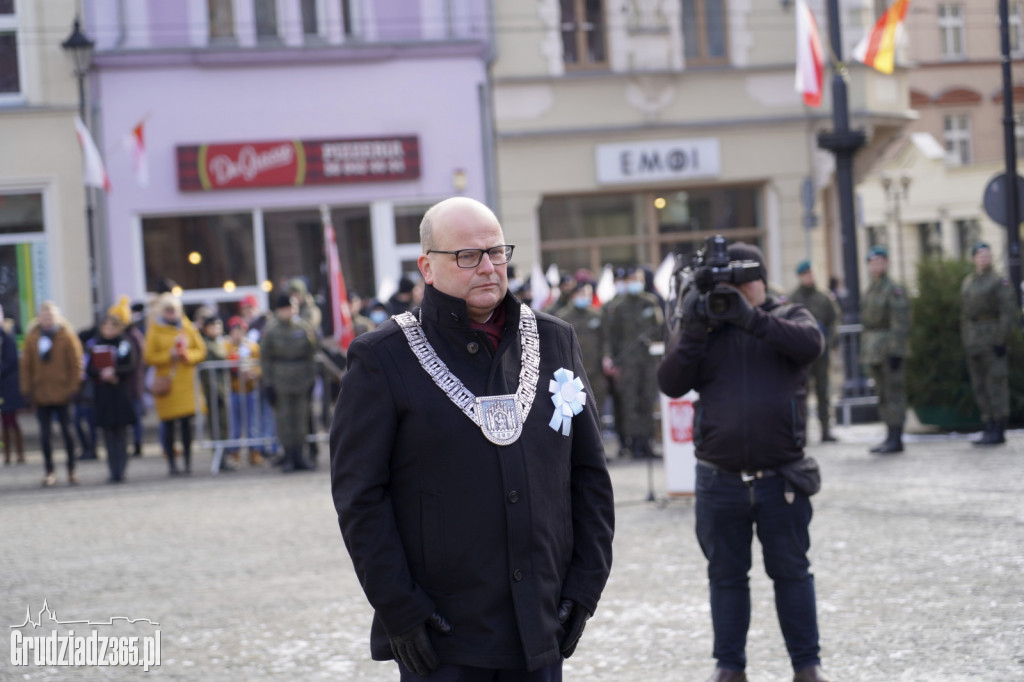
(885, 314)
(633, 325)
(988, 311)
(825, 311)
(287, 350)
(589, 326)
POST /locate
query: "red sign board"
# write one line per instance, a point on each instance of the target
(297, 163)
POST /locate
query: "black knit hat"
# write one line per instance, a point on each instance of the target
(743, 251)
(282, 300)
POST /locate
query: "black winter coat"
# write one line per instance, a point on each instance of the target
(435, 517)
(752, 412)
(114, 403)
(10, 390)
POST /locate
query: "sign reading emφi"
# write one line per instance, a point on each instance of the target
(285, 163)
(657, 160)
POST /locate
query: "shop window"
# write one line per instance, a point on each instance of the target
(951, 31)
(199, 252)
(222, 20)
(294, 242)
(1016, 29)
(266, 19)
(355, 248)
(930, 239)
(704, 31)
(10, 78)
(407, 223)
(349, 18)
(583, 33)
(21, 213)
(643, 227)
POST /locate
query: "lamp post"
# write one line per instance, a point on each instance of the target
(79, 48)
(894, 195)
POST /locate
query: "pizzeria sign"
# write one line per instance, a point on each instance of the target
(297, 163)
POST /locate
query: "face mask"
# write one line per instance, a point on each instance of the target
(634, 287)
(378, 316)
(581, 302)
(620, 287)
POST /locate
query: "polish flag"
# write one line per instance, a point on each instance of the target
(135, 143)
(540, 290)
(94, 173)
(878, 48)
(341, 312)
(810, 58)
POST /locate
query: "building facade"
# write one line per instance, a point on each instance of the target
(926, 198)
(260, 115)
(629, 131)
(43, 227)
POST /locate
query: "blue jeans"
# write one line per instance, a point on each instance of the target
(728, 510)
(245, 417)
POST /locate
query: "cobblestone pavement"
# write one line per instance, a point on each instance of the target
(918, 560)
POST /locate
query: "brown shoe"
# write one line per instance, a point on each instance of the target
(72, 478)
(255, 458)
(728, 675)
(812, 673)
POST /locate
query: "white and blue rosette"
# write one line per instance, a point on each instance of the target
(569, 398)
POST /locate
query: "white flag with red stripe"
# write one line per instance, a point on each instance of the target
(341, 311)
(94, 172)
(810, 57)
(135, 143)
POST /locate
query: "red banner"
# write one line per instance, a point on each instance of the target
(297, 163)
(341, 312)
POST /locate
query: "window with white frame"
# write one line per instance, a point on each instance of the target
(583, 33)
(951, 30)
(221, 16)
(957, 134)
(704, 31)
(1018, 134)
(10, 70)
(1016, 30)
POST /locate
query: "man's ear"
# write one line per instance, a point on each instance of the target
(424, 265)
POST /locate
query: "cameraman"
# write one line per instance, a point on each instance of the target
(750, 367)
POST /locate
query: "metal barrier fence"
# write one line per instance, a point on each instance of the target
(857, 389)
(237, 414)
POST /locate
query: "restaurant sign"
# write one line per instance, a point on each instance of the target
(297, 163)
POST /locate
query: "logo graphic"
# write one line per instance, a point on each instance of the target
(71, 650)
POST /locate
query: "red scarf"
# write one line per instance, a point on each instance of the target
(494, 327)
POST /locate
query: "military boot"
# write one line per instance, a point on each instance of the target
(999, 431)
(893, 444)
(826, 434)
(986, 436)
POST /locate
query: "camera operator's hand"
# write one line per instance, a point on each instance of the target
(741, 314)
(695, 320)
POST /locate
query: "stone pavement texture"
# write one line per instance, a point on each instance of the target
(919, 562)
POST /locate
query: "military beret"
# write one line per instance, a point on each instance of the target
(282, 300)
(803, 266)
(878, 250)
(978, 247)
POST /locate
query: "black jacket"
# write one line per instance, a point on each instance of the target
(435, 516)
(752, 410)
(114, 403)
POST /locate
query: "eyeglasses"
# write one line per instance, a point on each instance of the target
(471, 258)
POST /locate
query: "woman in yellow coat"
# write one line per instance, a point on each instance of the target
(174, 347)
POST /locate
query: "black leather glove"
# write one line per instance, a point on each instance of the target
(414, 650)
(695, 320)
(573, 618)
(895, 362)
(271, 395)
(741, 313)
(1000, 351)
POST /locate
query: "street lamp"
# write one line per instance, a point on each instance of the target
(895, 195)
(79, 48)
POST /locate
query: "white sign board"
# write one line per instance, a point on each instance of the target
(677, 443)
(658, 160)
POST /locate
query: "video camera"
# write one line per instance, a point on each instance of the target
(709, 269)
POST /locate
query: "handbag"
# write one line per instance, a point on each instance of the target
(161, 384)
(803, 474)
